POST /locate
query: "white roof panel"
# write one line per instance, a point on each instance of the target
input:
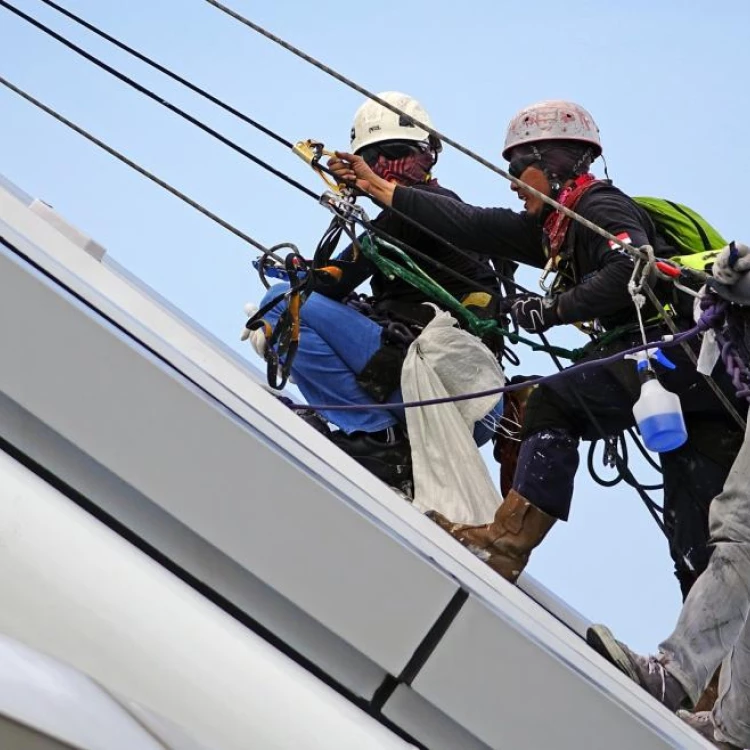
(157, 404)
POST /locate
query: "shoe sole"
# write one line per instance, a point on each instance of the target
(605, 644)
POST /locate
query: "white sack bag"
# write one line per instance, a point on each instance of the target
(450, 475)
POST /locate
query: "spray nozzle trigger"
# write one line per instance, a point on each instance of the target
(643, 363)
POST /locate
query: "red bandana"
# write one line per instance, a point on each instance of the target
(557, 223)
(409, 170)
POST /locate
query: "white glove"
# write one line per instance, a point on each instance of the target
(726, 274)
(257, 337)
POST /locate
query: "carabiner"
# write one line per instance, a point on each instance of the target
(549, 268)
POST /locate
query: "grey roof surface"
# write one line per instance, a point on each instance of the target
(135, 409)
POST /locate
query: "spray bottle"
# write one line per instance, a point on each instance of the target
(657, 411)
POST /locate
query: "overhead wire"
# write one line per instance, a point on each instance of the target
(196, 89)
(158, 99)
(423, 125)
(169, 73)
(133, 165)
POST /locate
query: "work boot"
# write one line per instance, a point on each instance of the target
(386, 454)
(703, 723)
(648, 671)
(506, 543)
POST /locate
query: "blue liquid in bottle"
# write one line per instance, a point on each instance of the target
(658, 415)
(663, 432)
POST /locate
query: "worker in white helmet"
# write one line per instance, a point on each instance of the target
(351, 349)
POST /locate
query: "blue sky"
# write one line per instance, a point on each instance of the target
(665, 81)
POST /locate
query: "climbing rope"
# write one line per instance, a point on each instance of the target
(736, 367)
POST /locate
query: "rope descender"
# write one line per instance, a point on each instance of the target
(312, 152)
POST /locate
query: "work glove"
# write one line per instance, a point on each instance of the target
(731, 263)
(535, 314)
(257, 338)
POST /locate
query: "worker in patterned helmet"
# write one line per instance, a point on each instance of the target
(560, 139)
(551, 146)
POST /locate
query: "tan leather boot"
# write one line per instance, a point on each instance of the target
(506, 543)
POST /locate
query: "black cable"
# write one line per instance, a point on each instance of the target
(169, 73)
(124, 159)
(508, 280)
(154, 97)
(619, 477)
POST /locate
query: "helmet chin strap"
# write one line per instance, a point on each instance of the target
(558, 182)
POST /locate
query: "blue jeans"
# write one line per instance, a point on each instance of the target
(335, 344)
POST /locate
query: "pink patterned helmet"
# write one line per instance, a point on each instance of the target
(552, 120)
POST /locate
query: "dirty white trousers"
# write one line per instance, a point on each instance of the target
(713, 626)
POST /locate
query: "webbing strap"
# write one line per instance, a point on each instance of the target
(405, 268)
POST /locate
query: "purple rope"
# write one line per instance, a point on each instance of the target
(706, 321)
(736, 369)
(715, 311)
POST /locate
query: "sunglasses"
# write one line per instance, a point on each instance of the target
(395, 150)
(517, 166)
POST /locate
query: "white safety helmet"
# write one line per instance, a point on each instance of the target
(374, 123)
(552, 120)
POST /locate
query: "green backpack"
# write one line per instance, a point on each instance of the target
(696, 241)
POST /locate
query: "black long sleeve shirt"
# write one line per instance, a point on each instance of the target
(475, 267)
(599, 272)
